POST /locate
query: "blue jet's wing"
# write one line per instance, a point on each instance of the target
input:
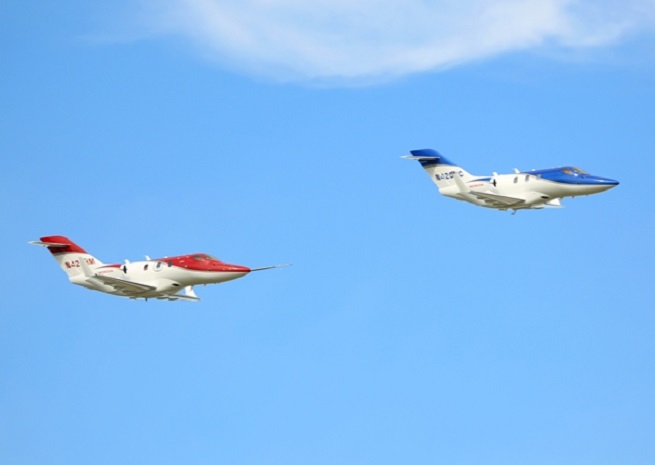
(497, 201)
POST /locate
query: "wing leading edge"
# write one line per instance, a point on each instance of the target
(124, 287)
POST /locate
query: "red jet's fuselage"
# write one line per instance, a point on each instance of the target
(170, 274)
(161, 278)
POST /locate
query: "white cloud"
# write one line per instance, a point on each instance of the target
(360, 40)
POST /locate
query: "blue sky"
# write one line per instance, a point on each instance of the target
(411, 328)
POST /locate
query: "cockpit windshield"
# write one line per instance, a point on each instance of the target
(203, 256)
(573, 170)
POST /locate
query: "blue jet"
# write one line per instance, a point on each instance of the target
(516, 191)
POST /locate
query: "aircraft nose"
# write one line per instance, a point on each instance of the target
(221, 267)
(235, 268)
(605, 183)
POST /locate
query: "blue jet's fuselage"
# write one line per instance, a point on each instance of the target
(515, 191)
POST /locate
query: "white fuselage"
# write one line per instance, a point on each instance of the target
(158, 274)
(532, 190)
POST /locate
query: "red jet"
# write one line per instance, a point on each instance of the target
(161, 278)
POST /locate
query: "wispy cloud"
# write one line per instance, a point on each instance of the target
(364, 40)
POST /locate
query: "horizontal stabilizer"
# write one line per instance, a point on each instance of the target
(415, 157)
(428, 157)
(48, 244)
(58, 245)
(425, 153)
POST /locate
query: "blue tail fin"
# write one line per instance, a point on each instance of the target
(429, 157)
(448, 176)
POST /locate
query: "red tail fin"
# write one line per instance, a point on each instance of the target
(72, 258)
(60, 244)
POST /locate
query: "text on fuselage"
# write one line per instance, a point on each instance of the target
(76, 263)
(449, 175)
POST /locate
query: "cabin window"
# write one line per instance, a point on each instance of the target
(527, 177)
(145, 267)
(170, 263)
(516, 179)
(158, 266)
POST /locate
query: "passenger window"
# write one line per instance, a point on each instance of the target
(516, 179)
(527, 177)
